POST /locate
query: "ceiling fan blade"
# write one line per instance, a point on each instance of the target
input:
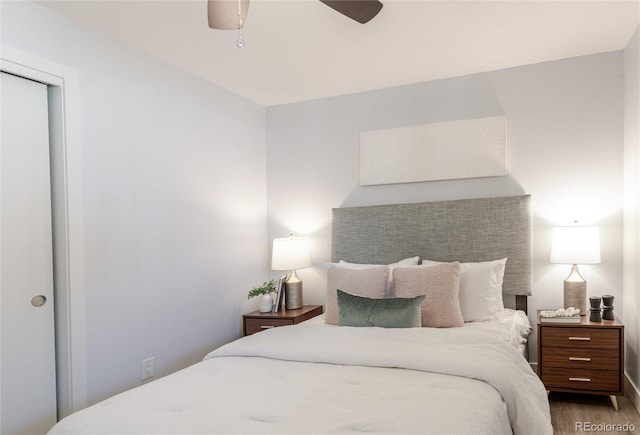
(223, 14)
(359, 10)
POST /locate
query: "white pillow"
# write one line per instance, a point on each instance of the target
(411, 261)
(480, 288)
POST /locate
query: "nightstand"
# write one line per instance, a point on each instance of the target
(585, 357)
(257, 321)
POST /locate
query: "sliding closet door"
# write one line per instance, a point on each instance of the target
(27, 358)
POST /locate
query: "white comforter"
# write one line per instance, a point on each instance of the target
(321, 379)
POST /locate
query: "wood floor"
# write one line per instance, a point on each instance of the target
(569, 411)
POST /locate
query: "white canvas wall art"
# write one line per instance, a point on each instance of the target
(468, 148)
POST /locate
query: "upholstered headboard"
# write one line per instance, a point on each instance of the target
(460, 230)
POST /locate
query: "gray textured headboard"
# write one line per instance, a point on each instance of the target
(460, 230)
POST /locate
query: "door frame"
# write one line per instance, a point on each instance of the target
(67, 217)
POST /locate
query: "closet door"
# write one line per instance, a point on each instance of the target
(27, 358)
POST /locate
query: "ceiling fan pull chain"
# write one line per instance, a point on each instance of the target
(240, 41)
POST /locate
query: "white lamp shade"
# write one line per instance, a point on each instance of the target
(575, 245)
(290, 253)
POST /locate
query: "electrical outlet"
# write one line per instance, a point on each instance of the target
(147, 368)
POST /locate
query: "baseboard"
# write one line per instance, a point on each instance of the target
(631, 391)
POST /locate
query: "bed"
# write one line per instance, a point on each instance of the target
(322, 377)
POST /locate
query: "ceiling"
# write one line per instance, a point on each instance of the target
(298, 50)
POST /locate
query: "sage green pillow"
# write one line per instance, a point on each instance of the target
(386, 313)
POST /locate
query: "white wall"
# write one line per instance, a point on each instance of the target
(565, 121)
(174, 201)
(631, 269)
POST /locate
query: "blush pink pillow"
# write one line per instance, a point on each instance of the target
(440, 284)
(370, 282)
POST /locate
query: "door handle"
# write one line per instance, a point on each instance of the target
(38, 301)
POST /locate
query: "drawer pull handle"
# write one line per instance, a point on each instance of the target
(266, 326)
(575, 358)
(580, 338)
(580, 379)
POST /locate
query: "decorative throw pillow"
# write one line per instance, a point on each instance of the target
(385, 313)
(370, 282)
(411, 261)
(440, 284)
(480, 288)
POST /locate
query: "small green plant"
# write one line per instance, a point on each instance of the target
(266, 287)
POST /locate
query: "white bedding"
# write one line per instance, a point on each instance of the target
(509, 325)
(315, 378)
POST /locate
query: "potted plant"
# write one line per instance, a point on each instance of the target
(265, 290)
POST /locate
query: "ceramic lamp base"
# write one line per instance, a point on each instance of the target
(293, 292)
(575, 291)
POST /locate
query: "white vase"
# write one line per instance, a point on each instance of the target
(266, 303)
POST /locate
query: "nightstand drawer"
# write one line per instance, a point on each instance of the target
(580, 358)
(591, 338)
(579, 379)
(256, 325)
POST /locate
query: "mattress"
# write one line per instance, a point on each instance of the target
(317, 378)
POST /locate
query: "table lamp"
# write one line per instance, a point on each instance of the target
(291, 253)
(575, 245)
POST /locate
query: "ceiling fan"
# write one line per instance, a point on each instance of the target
(230, 14)
(361, 11)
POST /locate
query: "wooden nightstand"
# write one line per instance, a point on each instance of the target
(257, 321)
(585, 357)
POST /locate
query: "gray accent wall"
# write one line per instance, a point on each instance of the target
(565, 149)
